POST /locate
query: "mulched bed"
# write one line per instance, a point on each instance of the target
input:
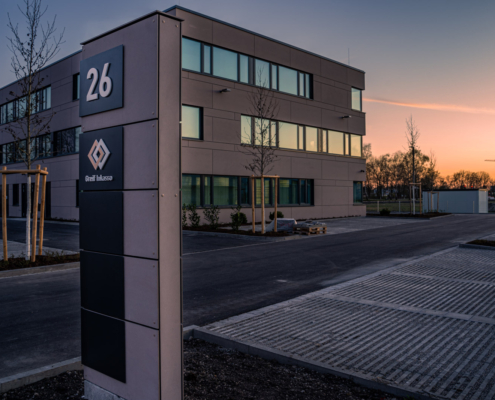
(21, 262)
(425, 215)
(231, 231)
(215, 373)
(481, 242)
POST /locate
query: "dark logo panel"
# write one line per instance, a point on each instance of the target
(101, 159)
(102, 81)
(103, 344)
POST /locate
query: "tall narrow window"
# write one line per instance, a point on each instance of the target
(262, 73)
(207, 190)
(287, 80)
(246, 130)
(191, 189)
(274, 77)
(304, 192)
(324, 141)
(346, 145)
(191, 122)
(301, 137)
(244, 191)
(191, 55)
(358, 192)
(307, 92)
(311, 139)
(262, 135)
(356, 99)
(76, 86)
(244, 68)
(356, 141)
(207, 59)
(301, 84)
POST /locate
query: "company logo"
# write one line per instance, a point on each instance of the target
(98, 155)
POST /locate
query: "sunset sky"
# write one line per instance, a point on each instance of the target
(432, 59)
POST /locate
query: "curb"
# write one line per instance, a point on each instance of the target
(35, 375)
(476, 246)
(242, 237)
(286, 358)
(409, 218)
(36, 270)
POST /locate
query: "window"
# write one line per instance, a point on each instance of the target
(287, 135)
(262, 135)
(287, 80)
(76, 86)
(324, 141)
(306, 188)
(191, 55)
(269, 191)
(40, 101)
(301, 137)
(262, 73)
(225, 190)
(288, 191)
(244, 191)
(346, 144)
(311, 139)
(192, 122)
(191, 189)
(15, 194)
(356, 141)
(357, 192)
(335, 142)
(207, 190)
(65, 142)
(45, 145)
(356, 99)
(246, 130)
(224, 63)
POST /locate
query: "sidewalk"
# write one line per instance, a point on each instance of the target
(427, 326)
(17, 249)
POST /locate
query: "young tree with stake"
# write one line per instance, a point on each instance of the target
(259, 139)
(31, 52)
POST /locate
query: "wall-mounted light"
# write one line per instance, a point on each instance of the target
(362, 170)
(346, 116)
(226, 90)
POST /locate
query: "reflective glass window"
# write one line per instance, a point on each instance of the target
(335, 142)
(224, 63)
(301, 84)
(356, 99)
(287, 135)
(262, 73)
(324, 141)
(301, 137)
(246, 130)
(244, 68)
(207, 190)
(311, 139)
(207, 59)
(274, 77)
(191, 55)
(307, 92)
(288, 191)
(358, 192)
(262, 134)
(244, 190)
(356, 145)
(287, 80)
(346, 144)
(191, 122)
(191, 189)
(225, 190)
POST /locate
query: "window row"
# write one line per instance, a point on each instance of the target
(212, 60)
(49, 145)
(285, 135)
(205, 190)
(15, 109)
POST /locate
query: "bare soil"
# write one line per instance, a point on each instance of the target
(20, 262)
(215, 373)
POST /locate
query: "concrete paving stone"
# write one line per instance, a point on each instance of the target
(427, 325)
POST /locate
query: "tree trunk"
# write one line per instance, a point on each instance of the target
(28, 218)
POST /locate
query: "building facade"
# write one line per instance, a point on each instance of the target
(317, 130)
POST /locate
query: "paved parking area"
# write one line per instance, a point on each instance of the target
(427, 325)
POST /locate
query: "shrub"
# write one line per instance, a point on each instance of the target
(194, 217)
(184, 215)
(384, 211)
(237, 218)
(212, 215)
(279, 215)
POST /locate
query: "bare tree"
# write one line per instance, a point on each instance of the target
(31, 52)
(412, 137)
(259, 139)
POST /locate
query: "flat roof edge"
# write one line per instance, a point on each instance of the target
(260, 35)
(48, 66)
(131, 23)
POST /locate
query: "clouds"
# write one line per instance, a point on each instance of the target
(436, 107)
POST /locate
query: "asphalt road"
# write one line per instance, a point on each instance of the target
(39, 314)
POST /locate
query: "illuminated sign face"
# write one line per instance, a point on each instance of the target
(101, 169)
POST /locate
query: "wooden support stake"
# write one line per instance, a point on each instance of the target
(35, 215)
(42, 213)
(4, 215)
(276, 190)
(252, 203)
